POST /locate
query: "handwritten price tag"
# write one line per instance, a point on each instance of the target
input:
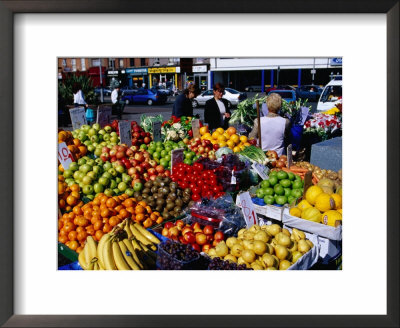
(103, 115)
(248, 209)
(64, 155)
(78, 117)
(262, 170)
(196, 128)
(157, 131)
(125, 134)
(176, 157)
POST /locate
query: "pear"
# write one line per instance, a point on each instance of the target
(236, 250)
(294, 246)
(286, 232)
(262, 235)
(309, 242)
(281, 252)
(212, 253)
(268, 260)
(230, 257)
(248, 244)
(271, 268)
(255, 228)
(221, 249)
(248, 235)
(303, 246)
(242, 261)
(283, 239)
(274, 229)
(295, 256)
(231, 241)
(256, 266)
(270, 249)
(284, 265)
(241, 232)
(259, 247)
(248, 255)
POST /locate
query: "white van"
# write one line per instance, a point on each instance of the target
(331, 94)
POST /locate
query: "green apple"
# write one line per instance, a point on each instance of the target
(96, 126)
(126, 178)
(73, 166)
(98, 188)
(116, 191)
(120, 169)
(87, 180)
(106, 136)
(107, 175)
(108, 192)
(118, 180)
(81, 161)
(92, 175)
(68, 173)
(129, 192)
(122, 186)
(91, 148)
(113, 184)
(97, 151)
(85, 168)
(92, 132)
(87, 189)
(108, 129)
(101, 131)
(114, 139)
(107, 166)
(104, 181)
(85, 128)
(113, 172)
(113, 134)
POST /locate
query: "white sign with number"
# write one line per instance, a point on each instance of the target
(64, 155)
(103, 115)
(248, 211)
(125, 134)
(262, 170)
(157, 131)
(196, 128)
(78, 117)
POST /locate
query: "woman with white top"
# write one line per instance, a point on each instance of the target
(216, 112)
(274, 128)
(79, 99)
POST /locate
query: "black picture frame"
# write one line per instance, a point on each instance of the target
(7, 11)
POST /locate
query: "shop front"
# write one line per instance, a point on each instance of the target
(137, 77)
(166, 76)
(116, 75)
(200, 77)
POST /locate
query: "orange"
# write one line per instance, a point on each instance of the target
(61, 203)
(142, 203)
(79, 249)
(82, 235)
(68, 208)
(243, 139)
(159, 220)
(231, 130)
(62, 239)
(235, 138)
(62, 136)
(203, 130)
(71, 200)
(60, 168)
(99, 234)
(123, 213)
(118, 208)
(73, 149)
(128, 202)
(72, 235)
(107, 228)
(139, 209)
(73, 245)
(147, 223)
(140, 217)
(76, 142)
(113, 221)
(111, 203)
(105, 213)
(98, 225)
(77, 210)
(75, 187)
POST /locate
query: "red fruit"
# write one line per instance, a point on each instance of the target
(180, 224)
(160, 169)
(186, 229)
(206, 248)
(173, 232)
(164, 232)
(208, 230)
(201, 238)
(189, 237)
(219, 235)
(216, 242)
(168, 225)
(196, 247)
(146, 140)
(182, 240)
(216, 146)
(196, 225)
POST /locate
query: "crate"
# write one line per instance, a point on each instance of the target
(163, 256)
(67, 252)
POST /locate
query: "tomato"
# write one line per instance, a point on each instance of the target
(184, 185)
(192, 185)
(204, 175)
(198, 167)
(213, 182)
(196, 197)
(215, 189)
(205, 188)
(196, 190)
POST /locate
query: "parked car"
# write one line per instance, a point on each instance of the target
(106, 91)
(162, 89)
(233, 96)
(128, 90)
(287, 95)
(145, 96)
(331, 94)
(253, 88)
(311, 92)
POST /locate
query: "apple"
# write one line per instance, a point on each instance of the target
(153, 177)
(196, 247)
(108, 129)
(216, 146)
(189, 237)
(201, 238)
(133, 162)
(164, 232)
(139, 169)
(206, 248)
(272, 154)
(196, 225)
(168, 225)
(186, 229)
(151, 171)
(146, 140)
(182, 240)
(129, 152)
(139, 157)
(219, 235)
(179, 224)
(173, 232)
(160, 169)
(208, 230)
(201, 150)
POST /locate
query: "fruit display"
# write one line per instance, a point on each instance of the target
(176, 256)
(127, 247)
(319, 173)
(161, 152)
(268, 247)
(164, 196)
(177, 128)
(280, 188)
(218, 264)
(225, 138)
(203, 183)
(202, 148)
(200, 238)
(139, 136)
(320, 206)
(74, 145)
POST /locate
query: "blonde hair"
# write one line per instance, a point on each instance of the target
(274, 102)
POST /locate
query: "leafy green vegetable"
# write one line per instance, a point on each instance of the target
(146, 122)
(246, 111)
(255, 154)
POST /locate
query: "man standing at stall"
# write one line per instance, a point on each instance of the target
(118, 104)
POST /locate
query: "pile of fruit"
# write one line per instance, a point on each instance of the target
(164, 195)
(203, 183)
(320, 207)
(280, 188)
(176, 256)
(319, 173)
(225, 138)
(161, 152)
(139, 136)
(68, 196)
(74, 145)
(201, 239)
(198, 147)
(268, 247)
(127, 247)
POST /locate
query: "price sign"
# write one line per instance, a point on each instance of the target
(262, 170)
(125, 134)
(103, 115)
(64, 155)
(157, 131)
(176, 157)
(289, 156)
(196, 128)
(248, 209)
(78, 117)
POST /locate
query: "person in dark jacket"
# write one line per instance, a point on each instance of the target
(183, 103)
(216, 111)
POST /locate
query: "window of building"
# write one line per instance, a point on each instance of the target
(132, 61)
(73, 63)
(64, 63)
(111, 63)
(121, 62)
(83, 64)
(142, 61)
(95, 62)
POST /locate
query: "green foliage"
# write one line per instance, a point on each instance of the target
(65, 95)
(246, 112)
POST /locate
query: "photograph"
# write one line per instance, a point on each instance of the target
(189, 163)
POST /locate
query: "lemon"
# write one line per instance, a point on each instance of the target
(203, 130)
(221, 137)
(230, 144)
(330, 217)
(295, 211)
(235, 138)
(247, 144)
(222, 144)
(324, 202)
(243, 139)
(312, 194)
(220, 130)
(338, 201)
(236, 149)
(215, 135)
(303, 205)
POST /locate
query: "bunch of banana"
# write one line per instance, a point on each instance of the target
(88, 259)
(128, 246)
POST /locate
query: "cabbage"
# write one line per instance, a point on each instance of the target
(223, 151)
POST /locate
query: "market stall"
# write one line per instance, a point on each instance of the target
(173, 195)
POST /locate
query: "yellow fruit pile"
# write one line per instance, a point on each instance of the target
(225, 138)
(319, 207)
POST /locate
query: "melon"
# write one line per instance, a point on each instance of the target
(324, 202)
(303, 205)
(338, 201)
(330, 217)
(312, 193)
(311, 214)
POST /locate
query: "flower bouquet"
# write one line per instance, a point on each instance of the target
(323, 125)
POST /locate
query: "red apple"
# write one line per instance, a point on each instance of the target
(189, 237)
(113, 152)
(160, 169)
(168, 225)
(196, 225)
(201, 238)
(151, 171)
(201, 150)
(105, 150)
(186, 229)
(153, 177)
(219, 235)
(210, 238)
(208, 230)
(139, 157)
(147, 140)
(206, 248)
(173, 232)
(196, 247)
(182, 240)
(216, 146)
(272, 154)
(129, 152)
(131, 171)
